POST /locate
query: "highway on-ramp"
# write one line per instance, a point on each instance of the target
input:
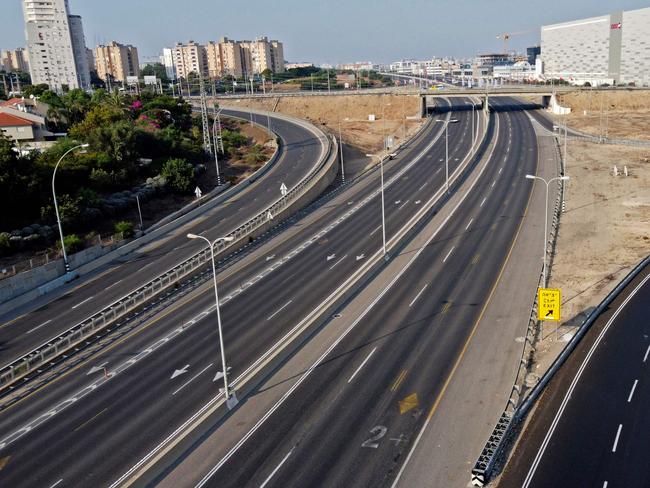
(84, 430)
(591, 426)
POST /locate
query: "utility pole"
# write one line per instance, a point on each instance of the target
(204, 117)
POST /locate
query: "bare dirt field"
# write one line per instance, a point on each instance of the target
(604, 233)
(400, 115)
(615, 114)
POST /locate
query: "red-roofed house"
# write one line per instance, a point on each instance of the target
(21, 122)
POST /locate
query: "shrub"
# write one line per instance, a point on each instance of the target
(125, 228)
(179, 175)
(5, 243)
(73, 243)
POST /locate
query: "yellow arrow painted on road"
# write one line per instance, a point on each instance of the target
(409, 403)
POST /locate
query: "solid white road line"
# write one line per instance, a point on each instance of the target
(81, 303)
(418, 295)
(279, 310)
(334, 265)
(362, 365)
(469, 223)
(450, 251)
(39, 326)
(618, 434)
(629, 398)
(567, 396)
(193, 378)
(645, 358)
(483, 202)
(284, 459)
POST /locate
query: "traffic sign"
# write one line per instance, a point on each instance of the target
(548, 304)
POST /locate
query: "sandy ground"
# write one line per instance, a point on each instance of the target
(400, 116)
(614, 114)
(604, 233)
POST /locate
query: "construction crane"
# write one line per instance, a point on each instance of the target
(505, 37)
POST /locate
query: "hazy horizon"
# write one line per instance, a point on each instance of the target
(332, 32)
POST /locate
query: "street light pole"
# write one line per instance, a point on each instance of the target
(547, 183)
(447, 122)
(56, 206)
(383, 212)
(341, 146)
(230, 402)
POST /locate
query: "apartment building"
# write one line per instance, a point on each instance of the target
(14, 60)
(117, 61)
(190, 58)
(56, 45)
(226, 57)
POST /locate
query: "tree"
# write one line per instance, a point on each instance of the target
(179, 175)
(36, 90)
(156, 69)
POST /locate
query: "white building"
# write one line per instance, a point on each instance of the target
(612, 48)
(56, 45)
(519, 71)
(167, 59)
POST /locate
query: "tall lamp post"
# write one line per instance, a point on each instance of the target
(547, 183)
(447, 122)
(56, 206)
(230, 401)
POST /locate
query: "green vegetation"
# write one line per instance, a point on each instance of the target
(73, 243)
(125, 228)
(131, 140)
(179, 175)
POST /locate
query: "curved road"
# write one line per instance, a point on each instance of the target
(300, 152)
(592, 424)
(128, 415)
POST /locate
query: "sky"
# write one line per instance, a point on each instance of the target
(323, 31)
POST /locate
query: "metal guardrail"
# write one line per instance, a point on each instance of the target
(484, 466)
(29, 362)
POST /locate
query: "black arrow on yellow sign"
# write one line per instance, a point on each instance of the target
(549, 313)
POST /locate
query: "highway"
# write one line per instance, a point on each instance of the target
(591, 426)
(70, 427)
(350, 419)
(300, 152)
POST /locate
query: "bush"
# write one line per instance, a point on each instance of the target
(73, 243)
(179, 175)
(5, 244)
(125, 228)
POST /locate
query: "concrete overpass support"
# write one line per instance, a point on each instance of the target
(556, 108)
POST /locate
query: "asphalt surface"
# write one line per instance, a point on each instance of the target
(89, 436)
(591, 426)
(300, 152)
(353, 420)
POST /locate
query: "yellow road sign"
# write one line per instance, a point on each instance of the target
(548, 304)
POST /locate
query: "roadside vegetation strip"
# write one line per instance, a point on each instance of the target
(246, 381)
(22, 366)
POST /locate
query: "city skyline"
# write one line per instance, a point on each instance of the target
(343, 39)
